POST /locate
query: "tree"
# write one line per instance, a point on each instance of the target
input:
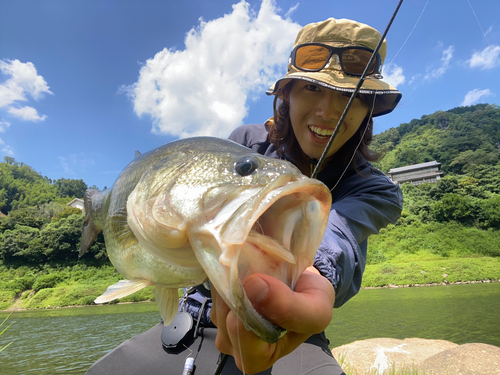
(454, 207)
(9, 160)
(70, 188)
(67, 211)
(490, 213)
(16, 247)
(28, 216)
(455, 138)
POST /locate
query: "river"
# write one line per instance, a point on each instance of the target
(68, 341)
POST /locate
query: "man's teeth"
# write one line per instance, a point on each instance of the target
(321, 132)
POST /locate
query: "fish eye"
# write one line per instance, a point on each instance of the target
(246, 165)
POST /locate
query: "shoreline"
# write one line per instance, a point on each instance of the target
(72, 306)
(389, 286)
(395, 286)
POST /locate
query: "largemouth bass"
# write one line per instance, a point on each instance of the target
(207, 208)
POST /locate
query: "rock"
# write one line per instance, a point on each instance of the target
(380, 354)
(466, 359)
(431, 357)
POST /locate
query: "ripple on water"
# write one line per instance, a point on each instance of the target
(68, 341)
(67, 344)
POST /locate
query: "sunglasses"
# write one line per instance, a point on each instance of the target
(313, 57)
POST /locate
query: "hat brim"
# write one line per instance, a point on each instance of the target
(386, 96)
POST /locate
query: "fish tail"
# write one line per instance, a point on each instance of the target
(91, 228)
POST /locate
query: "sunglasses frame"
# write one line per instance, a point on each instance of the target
(337, 51)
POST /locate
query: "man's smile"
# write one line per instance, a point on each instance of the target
(320, 132)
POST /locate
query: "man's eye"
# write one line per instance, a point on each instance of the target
(312, 87)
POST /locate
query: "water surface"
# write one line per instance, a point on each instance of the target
(68, 341)
(458, 313)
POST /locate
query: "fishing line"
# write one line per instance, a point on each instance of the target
(411, 32)
(480, 25)
(239, 348)
(359, 143)
(355, 92)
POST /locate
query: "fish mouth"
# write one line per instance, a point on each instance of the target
(275, 230)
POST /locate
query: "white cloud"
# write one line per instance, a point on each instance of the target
(414, 78)
(26, 114)
(74, 163)
(3, 126)
(24, 81)
(488, 58)
(292, 10)
(8, 150)
(473, 96)
(393, 74)
(203, 89)
(444, 64)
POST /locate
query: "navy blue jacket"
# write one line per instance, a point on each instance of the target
(363, 202)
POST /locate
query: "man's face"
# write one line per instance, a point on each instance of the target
(315, 112)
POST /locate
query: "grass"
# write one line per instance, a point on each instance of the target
(29, 288)
(2, 348)
(48, 287)
(432, 240)
(432, 271)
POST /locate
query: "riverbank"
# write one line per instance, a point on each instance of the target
(15, 306)
(27, 288)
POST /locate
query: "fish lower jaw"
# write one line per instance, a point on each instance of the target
(319, 132)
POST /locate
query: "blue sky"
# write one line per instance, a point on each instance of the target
(83, 84)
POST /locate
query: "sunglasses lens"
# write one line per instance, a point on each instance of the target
(354, 61)
(311, 57)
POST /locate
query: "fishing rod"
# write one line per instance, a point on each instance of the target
(354, 93)
(344, 114)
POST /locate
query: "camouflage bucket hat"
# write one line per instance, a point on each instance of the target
(344, 41)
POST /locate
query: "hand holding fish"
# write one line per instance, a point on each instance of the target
(303, 312)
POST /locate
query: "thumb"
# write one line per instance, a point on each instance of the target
(308, 309)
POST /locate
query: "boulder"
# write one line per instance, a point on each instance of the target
(383, 355)
(466, 359)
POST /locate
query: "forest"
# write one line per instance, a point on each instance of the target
(456, 219)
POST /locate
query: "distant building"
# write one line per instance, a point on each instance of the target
(417, 174)
(77, 202)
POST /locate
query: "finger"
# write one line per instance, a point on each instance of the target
(219, 312)
(308, 309)
(253, 355)
(250, 353)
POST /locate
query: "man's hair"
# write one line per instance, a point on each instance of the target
(283, 137)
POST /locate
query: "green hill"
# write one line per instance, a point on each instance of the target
(449, 231)
(455, 220)
(459, 139)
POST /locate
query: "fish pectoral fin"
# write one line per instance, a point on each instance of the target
(122, 289)
(123, 233)
(167, 300)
